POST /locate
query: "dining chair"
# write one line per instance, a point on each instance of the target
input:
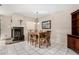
(33, 39)
(45, 38)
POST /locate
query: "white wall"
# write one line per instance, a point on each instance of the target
(60, 25)
(5, 26)
(30, 25)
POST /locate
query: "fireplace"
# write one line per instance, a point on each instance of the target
(17, 33)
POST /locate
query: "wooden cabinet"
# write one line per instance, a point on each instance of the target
(75, 23)
(73, 42)
(77, 44)
(73, 39)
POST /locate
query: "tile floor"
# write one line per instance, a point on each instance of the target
(24, 48)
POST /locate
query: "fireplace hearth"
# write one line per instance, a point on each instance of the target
(17, 33)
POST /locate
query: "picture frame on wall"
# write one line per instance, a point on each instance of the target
(46, 24)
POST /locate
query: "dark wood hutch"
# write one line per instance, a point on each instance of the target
(73, 39)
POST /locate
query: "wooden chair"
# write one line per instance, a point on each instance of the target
(45, 38)
(33, 39)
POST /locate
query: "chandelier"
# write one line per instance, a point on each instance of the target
(36, 20)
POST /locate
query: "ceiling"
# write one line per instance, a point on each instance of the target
(31, 9)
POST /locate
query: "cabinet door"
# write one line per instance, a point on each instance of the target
(71, 42)
(77, 44)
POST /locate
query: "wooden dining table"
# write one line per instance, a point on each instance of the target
(38, 36)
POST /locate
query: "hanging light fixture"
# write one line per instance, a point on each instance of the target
(36, 18)
(36, 22)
